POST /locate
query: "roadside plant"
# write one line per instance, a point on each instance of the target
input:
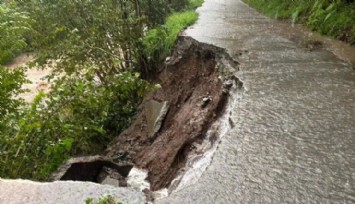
(79, 116)
(333, 18)
(14, 25)
(105, 200)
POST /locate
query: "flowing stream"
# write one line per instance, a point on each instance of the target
(35, 76)
(293, 138)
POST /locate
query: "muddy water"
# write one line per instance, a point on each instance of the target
(35, 76)
(293, 134)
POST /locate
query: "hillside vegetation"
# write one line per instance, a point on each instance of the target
(335, 18)
(100, 52)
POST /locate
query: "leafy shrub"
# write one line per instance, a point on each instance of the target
(77, 33)
(105, 200)
(10, 87)
(193, 4)
(79, 116)
(158, 42)
(104, 33)
(13, 27)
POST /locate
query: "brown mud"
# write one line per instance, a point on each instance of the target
(171, 120)
(36, 77)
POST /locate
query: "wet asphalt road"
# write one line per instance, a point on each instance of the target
(294, 134)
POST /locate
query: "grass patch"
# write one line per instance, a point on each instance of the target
(159, 41)
(193, 4)
(105, 200)
(332, 18)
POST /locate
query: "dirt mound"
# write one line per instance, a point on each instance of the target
(171, 119)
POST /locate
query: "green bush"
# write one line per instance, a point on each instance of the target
(10, 87)
(158, 42)
(104, 33)
(105, 200)
(194, 4)
(14, 24)
(79, 116)
(334, 18)
(81, 33)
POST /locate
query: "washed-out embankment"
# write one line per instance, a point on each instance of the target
(176, 125)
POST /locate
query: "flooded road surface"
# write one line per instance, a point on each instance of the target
(293, 138)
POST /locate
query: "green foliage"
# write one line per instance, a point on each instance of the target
(158, 42)
(84, 33)
(90, 32)
(13, 27)
(335, 18)
(94, 48)
(105, 200)
(194, 4)
(79, 116)
(10, 86)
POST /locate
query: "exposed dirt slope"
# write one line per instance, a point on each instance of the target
(196, 95)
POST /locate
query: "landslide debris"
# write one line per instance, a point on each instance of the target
(195, 83)
(194, 93)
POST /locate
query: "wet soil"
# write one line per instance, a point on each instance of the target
(192, 86)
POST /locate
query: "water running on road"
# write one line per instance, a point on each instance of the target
(294, 135)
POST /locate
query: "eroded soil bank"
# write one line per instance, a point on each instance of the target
(174, 122)
(194, 93)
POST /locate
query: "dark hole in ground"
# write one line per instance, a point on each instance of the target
(90, 171)
(208, 55)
